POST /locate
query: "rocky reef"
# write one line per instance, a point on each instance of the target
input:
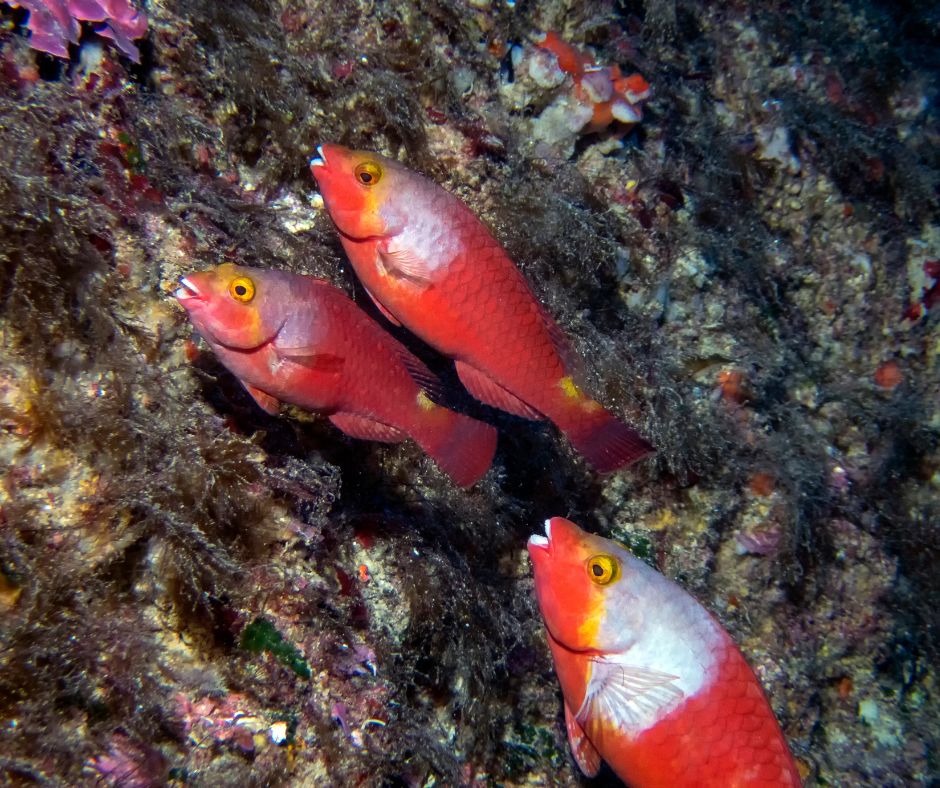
(196, 593)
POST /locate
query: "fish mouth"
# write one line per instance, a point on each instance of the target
(187, 291)
(539, 542)
(320, 159)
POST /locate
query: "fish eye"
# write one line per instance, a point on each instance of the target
(603, 569)
(242, 289)
(368, 173)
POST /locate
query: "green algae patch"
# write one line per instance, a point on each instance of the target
(261, 635)
(639, 544)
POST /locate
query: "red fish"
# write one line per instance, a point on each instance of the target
(432, 266)
(292, 338)
(652, 683)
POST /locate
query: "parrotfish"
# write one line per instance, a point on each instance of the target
(431, 265)
(652, 683)
(296, 339)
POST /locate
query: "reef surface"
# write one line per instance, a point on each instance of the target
(196, 593)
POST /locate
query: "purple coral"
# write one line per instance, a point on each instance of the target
(55, 23)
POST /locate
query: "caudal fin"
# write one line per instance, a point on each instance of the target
(606, 442)
(461, 446)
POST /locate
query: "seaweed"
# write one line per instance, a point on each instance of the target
(157, 531)
(261, 636)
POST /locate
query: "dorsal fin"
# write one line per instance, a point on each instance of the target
(570, 359)
(427, 380)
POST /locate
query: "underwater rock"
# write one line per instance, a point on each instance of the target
(732, 305)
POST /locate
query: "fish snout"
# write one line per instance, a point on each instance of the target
(188, 292)
(542, 543)
(319, 160)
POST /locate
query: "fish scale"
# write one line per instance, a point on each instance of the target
(436, 269)
(652, 683)
(728, 730)
(300, 340)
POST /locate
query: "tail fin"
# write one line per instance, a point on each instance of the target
(461, 446)
(605, 441)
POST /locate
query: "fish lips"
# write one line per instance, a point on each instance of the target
(326, 174)
(188, 294)
(539, 545)
(319, 161)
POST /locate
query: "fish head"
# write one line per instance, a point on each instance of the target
(582, 582)
(234, 306)
(365, 193)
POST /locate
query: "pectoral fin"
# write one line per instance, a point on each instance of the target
(404, 264)
(265, 401)
(308, 357)
(589, 760)
(627, 696)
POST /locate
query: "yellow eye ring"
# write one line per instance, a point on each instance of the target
(242, 289)
(603, 569)
(368, 173)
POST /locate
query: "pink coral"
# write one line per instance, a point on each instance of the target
(55, 23)
(225, 719)
(603, 90)
(761, 541)
(128, 764)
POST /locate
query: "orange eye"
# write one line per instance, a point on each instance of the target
(603, 569)
(368, 173)
(242, 289)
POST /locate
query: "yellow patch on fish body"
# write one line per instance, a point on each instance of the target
(424, 402)
(592, 622)
(571, 390)
(254, 327)
(567, 385)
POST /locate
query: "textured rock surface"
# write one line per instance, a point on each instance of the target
(738, 270)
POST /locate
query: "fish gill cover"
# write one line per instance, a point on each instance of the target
(748, 271)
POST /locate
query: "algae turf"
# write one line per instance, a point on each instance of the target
(180, 573)
(261, 636)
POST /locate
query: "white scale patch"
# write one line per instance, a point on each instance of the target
(672, 658)
(426, 239)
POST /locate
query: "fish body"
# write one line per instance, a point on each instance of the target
(432, 266)
(652, 683)
(297, 339)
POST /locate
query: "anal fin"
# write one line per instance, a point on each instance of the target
(586, 755)
(366, 429)
(265, 401)
(385, 313)
(487, 390)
